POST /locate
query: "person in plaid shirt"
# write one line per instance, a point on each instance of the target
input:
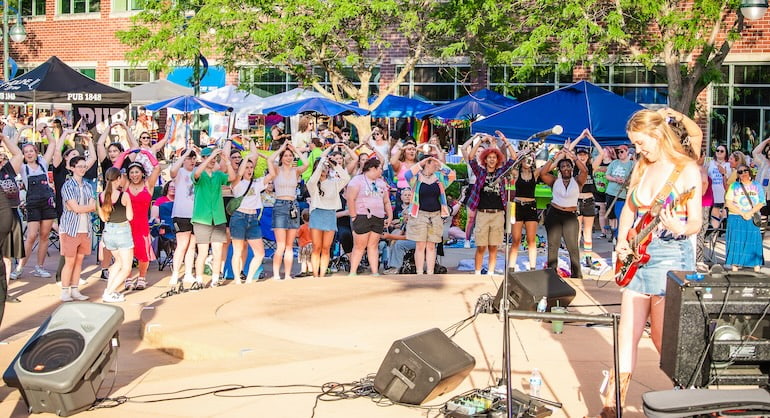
(487, 198)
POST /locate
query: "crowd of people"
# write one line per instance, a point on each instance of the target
(332, 198)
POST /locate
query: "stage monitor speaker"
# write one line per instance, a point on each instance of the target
(60, 369)
(730, 310)
(526, 288)
(421, 367)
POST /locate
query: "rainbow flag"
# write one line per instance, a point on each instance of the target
(239, 142)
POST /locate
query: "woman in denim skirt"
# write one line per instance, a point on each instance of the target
(662, 149)
(324, 186)
(245, 222)
(285, 210)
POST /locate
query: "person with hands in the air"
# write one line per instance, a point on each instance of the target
(325, 185)
(488, 198)
(586, 199)
(428, 180)
(40, 205)
(245, 221)
(561, 221)
(286, 212)
(368, 199)
(181, 173)
(666, 170)
(208, 216)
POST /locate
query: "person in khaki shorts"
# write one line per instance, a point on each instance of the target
(488, 200)
(428, 180)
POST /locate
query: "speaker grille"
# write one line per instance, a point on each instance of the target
(52, 351)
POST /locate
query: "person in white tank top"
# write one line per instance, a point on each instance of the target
(561, 218)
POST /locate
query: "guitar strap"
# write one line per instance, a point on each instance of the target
(660, 199)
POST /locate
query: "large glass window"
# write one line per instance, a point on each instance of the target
(634, 82)
(436, 84)
(741, 107)
(265, 82)
(126, 5)
(126, 78)
(33, 7)
(79, 6)
(542, 80)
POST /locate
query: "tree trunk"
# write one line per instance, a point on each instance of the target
(363, 125)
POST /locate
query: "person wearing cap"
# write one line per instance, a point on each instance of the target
(277, 134)
(586, 202)
(617, 173)
(487, 198)
(208, 215)
(181, 213)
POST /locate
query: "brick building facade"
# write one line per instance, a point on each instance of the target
(82, 34)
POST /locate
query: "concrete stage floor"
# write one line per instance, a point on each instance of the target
(338, 329)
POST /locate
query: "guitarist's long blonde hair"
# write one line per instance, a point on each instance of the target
(655, 125)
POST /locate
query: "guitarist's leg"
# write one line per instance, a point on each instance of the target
(634, 311)
(657, 308)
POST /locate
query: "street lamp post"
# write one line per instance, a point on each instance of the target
(753, 9)
(18, 34)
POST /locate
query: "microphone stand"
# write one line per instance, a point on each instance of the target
(504, 307)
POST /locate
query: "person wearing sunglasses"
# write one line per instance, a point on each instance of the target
(718, 170)
(429, 180)
(617, 173)
(665, 169)
(743, 242)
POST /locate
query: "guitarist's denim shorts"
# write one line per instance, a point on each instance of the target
(651, 279)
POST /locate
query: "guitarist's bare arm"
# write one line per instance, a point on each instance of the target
(626, 221)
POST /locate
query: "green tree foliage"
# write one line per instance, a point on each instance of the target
(346, 39)
(691, 38)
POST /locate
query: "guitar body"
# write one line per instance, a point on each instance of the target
(625, 269)
(639, 238)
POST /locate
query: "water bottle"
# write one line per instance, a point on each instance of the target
(542, 305)
(535, 383)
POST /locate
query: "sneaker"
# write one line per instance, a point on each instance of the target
(467, 244)
(390, 271)
(113, 298)
(76, 295)
(83, 282)
(15, 274)
(173, 281)
(12, 299)
(66, 298)
(40, 272)
(105, 275)
(188, 279)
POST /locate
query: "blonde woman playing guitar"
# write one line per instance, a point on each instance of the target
(661, 150)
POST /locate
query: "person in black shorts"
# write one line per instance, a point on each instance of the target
(525, 216)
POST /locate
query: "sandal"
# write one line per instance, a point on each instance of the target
(141, 283)
(130, 284)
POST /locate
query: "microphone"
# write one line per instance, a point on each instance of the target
(556, 130)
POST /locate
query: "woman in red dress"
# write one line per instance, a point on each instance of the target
(139, 186)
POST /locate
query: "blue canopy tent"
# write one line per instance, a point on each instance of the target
(397, 107)
(462, 109)
(320, 105)
(492, 96)
(188, 104)
(575, 107)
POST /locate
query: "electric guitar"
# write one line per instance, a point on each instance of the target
(639, 237)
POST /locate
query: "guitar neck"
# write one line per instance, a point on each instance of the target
(647, 230)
